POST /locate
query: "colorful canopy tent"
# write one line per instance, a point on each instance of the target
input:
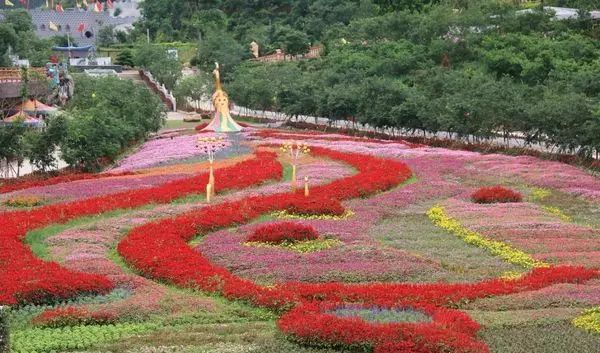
(33, 106)
(26, 119)
(222, 121)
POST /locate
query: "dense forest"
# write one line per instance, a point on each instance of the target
(478, 68)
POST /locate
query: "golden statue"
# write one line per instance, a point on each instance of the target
(222, 120)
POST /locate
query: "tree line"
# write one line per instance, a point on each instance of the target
(474, 69)
(479, 72)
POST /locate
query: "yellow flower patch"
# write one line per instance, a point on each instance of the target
(589, 320)
(438, 216)
(306, 246)
(540, 193)
(558, 213)
(286, 215)
(24, 201)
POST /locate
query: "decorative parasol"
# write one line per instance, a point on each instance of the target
(28, 120)
(33, 106)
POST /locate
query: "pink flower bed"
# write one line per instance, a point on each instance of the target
(88, 250)
(82, 189)
(163, 150)
(531, 229)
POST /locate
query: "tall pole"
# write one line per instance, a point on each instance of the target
(148, 35)
(69, 46)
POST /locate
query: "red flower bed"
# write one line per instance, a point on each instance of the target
(35, 181)
(25, 278)
(71, 316)
(449, 331)
(315, 206)
(277, 233)
(496, 194)
(159, 250)
(145, 247)
(200, 126)
(439, 293)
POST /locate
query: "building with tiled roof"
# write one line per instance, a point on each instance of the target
(69, 21)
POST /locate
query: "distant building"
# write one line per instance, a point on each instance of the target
(69, 21)
(565, 13)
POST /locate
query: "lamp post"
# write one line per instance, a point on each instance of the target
(295, 150)
(210, 145)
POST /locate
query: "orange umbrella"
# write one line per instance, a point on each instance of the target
(29, 120)
(35, 106)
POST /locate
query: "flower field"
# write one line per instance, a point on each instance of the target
(389, 247)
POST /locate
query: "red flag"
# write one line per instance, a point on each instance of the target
(59, 8)
(109, 3)
(98, 7)
(81, 27)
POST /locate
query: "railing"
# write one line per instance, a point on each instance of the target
(313, 52)
(165, 95)
(13, 74)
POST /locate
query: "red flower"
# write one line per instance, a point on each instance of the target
(284, 231)
(71, 316)
(496, 194)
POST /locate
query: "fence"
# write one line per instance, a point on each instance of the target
(13, 74)
(313, 52)
(165, 95)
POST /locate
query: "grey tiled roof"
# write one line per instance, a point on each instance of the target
(69, 20)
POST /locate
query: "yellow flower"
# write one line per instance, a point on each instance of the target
(589, 320)
(438, 216)
(286, 215)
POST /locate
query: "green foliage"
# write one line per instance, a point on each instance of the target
(196, 87)
(475, 73)
(12, 142)
(154, 58)
(64, 40)
(77, 337)
(125, 58)
(17, 30)
(220, 46)
(106, 36)
(40, 147)
(292, 41)
(8, 39)
(4, 335)
(108, 115)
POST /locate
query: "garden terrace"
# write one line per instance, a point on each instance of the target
(387, 253)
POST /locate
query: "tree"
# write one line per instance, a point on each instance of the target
(40, 146)
(220, 46)
(165, 68)
(196, 87)
(106, 36)
(11, 146)
(64, 40)
(125, 58)
(108, 115)
(292, 41)
(8, 39)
